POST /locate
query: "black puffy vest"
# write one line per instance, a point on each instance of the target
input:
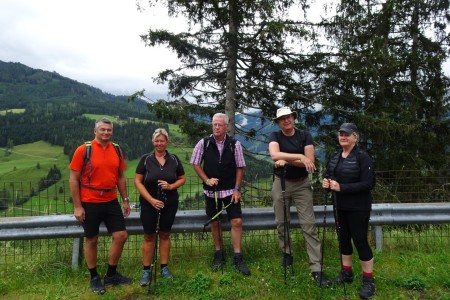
(350, 168)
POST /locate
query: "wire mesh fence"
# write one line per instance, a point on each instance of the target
(18, 199)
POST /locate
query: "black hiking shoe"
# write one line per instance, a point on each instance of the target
(218, 261)
(97, 285)
(320, 278)
(368, 288)
(287, 261)
(117, 279)
(240, 265)
(346, 276)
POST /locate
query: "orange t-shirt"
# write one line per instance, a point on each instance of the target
(104, 172)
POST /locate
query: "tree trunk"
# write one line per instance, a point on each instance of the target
(230, 101)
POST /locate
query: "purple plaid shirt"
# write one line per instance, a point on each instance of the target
(238, 156)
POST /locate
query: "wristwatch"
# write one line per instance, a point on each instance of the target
(125, 199)
(236, 188)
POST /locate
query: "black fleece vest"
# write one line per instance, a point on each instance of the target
(223, 168)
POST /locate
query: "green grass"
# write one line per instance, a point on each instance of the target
(13, 110)
(399, 274)
(22, 164)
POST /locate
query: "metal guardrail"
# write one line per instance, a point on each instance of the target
(64, 226)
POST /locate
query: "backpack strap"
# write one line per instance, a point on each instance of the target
(206, 142)
(118, 150)
(88, 163)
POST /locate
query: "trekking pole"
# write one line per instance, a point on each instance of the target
(219, 224)
(216, 215)
(338, 233)
(325, 198)
(287, 238)
(152, 286)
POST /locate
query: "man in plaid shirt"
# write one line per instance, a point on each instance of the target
(219, 161)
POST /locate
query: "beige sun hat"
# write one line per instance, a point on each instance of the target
(284, 111)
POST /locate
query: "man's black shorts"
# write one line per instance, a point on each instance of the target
(109, 213)
(234, 211)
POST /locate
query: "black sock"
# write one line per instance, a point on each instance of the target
(237, 254)
(163, 265)
(112, 270)
(93, 272)
(146, 267)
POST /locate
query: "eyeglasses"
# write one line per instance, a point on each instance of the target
(218, 125)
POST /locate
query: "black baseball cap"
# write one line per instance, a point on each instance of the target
(349, 128)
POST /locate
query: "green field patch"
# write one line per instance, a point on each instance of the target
(96, 117)
(13, 110)
(174, 129)
(116, 119)
(21, 171)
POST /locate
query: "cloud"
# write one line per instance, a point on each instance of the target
(96, 42)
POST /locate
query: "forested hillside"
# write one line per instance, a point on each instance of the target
(53, 107)
(39, 105)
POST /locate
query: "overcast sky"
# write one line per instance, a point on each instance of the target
(92, 41)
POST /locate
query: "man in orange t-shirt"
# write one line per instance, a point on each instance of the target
(94, 193)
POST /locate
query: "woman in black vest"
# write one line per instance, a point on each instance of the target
(350, 176)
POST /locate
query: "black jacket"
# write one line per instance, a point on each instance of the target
(356, 177)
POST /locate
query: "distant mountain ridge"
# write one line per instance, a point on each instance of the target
(54, 108)
(20, 84)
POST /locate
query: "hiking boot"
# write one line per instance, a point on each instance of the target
(368, 288)
(240, 265)
(218, 261)
(166, 273)
(346, 276)
(117, 279)
(287, 261)
(97, 285)
(146, 277)
(320, 278)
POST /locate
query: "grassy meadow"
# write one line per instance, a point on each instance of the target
(402, 271)
(30, 162)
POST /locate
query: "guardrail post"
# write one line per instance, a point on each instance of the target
(378, 234)
(76, 248)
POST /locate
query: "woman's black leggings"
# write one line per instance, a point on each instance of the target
(354, 226)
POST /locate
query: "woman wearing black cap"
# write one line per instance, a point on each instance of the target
(350, 176)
